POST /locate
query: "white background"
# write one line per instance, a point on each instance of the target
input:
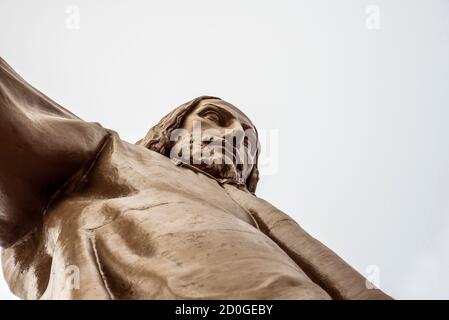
(362, 114)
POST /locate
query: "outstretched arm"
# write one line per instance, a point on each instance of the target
(42, 146)
(320, 263)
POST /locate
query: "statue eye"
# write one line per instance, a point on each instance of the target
(213, 116)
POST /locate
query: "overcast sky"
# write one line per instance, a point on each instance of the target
(354, 96)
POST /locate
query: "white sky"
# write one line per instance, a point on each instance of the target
(362, 114)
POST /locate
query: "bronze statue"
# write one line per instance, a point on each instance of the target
(136, 223)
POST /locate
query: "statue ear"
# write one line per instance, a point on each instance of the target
(251, 182)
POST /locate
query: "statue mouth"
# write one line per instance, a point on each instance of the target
(229, 155)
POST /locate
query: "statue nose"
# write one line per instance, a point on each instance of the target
(235, 135)
(237, 128)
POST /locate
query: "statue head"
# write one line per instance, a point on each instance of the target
(211, 135)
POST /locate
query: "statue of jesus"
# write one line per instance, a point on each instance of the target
(174, 216)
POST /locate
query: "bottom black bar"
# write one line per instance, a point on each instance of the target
(179, 310)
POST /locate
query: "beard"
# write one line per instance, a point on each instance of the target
(219, 170)
(212, 159)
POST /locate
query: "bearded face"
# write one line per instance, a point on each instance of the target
(217, 138)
